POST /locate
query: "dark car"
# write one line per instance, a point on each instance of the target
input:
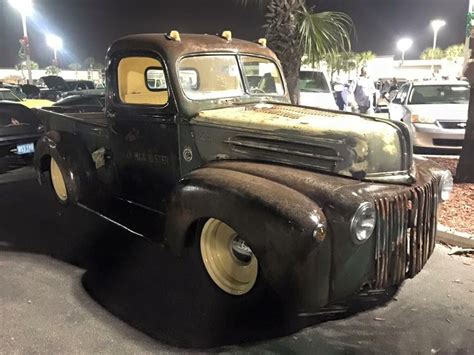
(19, 129)
(16, 89)
(57, 87)
(80, 103)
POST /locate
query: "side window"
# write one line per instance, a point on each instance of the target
(141, 81)
(402, 94)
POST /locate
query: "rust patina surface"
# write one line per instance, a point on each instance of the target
(277, 173)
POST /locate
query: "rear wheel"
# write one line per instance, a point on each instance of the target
(58, 182)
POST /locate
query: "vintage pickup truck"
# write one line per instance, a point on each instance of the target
(201, 150)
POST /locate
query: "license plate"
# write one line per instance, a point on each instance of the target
(22, 149)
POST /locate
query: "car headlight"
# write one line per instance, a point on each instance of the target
(422, 119)
(363, 222)
(446, 185)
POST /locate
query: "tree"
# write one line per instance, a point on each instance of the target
(89, 63)
(432, 54)
(455, 51)
(99, 66)
(75, 66)
(52, 70)
(363, 58)
(465, 169)
(22, 65)
(294, 30)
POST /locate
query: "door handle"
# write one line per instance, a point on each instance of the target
(110, 114)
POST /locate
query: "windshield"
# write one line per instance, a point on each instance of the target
(313, 81)
(219, 76)
(440, 94)
(262, 75)
(7, 95)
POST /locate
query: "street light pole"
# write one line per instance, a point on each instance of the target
(56, 43)
(27, 49)
(436, 24)
(25, 8)
(403, 45)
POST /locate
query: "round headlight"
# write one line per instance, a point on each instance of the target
(446, 185)
(363, 222)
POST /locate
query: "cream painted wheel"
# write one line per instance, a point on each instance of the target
(57, 179)
(228, 260)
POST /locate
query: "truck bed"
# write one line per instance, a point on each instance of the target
(92, 127)
(92, 118)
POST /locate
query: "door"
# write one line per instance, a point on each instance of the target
(397, 109)
(144, 132)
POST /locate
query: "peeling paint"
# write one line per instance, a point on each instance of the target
(375, 145)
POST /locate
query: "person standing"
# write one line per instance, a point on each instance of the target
(364, 93)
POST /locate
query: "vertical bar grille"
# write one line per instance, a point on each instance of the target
(405, 233)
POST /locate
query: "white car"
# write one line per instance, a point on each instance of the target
(434, 111)
(315, 90)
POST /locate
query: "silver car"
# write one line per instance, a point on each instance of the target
(434, 111)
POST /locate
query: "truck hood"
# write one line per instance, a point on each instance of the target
(356, 146)
(54, 82)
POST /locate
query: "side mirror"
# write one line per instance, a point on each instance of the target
(397, 101)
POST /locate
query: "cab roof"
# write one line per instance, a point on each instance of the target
(171, 49)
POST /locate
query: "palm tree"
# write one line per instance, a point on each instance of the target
(455, 51)
(432, 53)
(89, 63)
(75, 66)
(294, 30)
(52, 70)
(363, 58)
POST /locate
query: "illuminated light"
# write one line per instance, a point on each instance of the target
(24, 7)
(227, 35)
(262, 42)
(404, 44)
(437, 24)
(54, 42)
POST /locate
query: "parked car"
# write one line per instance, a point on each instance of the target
(434, 111)
(80, 103)
(57, 87)
(7, 95)
(255, 192)
(315, 90)
(19, 129)
(15, 89)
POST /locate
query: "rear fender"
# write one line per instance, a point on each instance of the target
(71, 154)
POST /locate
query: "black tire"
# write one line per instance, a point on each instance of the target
(217, 304)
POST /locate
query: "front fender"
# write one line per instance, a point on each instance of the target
(275, 220)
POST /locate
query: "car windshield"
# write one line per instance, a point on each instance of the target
(440, 94)
(8, 95)
(218, 76)
(313, 81)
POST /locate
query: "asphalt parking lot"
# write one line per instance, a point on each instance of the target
(72, 283)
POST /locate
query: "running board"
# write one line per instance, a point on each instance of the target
(136, 220)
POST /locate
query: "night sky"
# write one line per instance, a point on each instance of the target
(89, 26)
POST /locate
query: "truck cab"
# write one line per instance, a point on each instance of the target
(204, 152)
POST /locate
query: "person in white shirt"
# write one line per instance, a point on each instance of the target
(364, 93)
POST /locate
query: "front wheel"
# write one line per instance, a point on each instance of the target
(228, 260)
